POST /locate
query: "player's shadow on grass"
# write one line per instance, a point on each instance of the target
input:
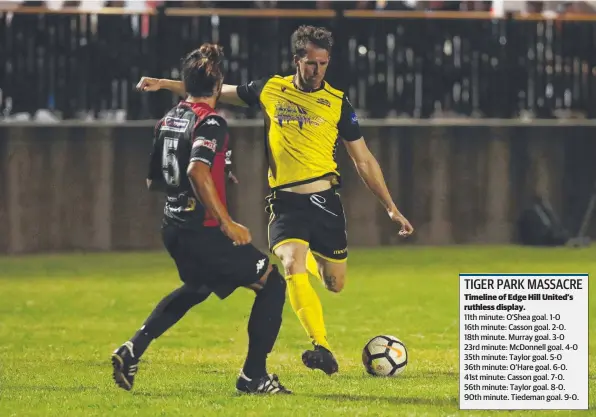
(442, 402)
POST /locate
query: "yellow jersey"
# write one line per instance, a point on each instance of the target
(302, 128)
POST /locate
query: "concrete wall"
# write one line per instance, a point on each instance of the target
(81, 187)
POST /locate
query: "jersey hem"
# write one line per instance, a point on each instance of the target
(306, 181)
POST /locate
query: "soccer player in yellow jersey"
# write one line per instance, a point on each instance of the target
(304, 119)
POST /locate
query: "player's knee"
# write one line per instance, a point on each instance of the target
(292, 262)
(271, 277)
(273, 283)
(192, 294)
(261, 282)
(334, 282)
(289, 264)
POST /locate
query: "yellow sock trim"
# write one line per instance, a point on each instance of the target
(307, 306)
(312, 266)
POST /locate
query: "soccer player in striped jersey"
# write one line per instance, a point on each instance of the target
(213, 253)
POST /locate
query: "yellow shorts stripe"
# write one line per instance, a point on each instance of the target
(337, 261)
(283, 242)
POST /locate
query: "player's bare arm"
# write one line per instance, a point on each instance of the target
(369, 170)
(204, 187)
(155, 84)
(228, 95)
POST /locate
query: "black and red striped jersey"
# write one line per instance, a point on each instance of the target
(189, 132)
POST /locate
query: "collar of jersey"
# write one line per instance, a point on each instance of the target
(196, 105)
(322, 87)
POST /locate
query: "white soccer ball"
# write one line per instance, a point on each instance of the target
(385, 356)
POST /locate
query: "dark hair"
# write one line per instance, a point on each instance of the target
(318, 36)
(202, 70)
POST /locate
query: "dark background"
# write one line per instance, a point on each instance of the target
(470, 116)
(391, 63)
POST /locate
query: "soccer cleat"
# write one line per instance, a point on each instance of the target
(320, 358)
(125, 366)
(268, 384)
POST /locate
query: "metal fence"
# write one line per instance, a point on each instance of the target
(412, 64)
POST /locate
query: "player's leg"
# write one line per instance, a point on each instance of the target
(329, 242)
(307, 306)
(333, 272)
(313, 267)
(168, 311)
(246, 266)
(303, 297)
(289, 233)
(263, 328)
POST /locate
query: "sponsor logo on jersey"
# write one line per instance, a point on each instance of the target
(179, 204)
(205, 143)
(324, 102)
(354, 118)
(286, 112)
(174, 124)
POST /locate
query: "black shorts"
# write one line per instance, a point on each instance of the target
(209, 261)
(316, 219)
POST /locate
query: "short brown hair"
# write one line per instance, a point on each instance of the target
(318, 36)
(202, 70)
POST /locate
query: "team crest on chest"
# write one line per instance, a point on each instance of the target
(324, 102)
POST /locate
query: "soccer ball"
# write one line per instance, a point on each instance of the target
(385, 356)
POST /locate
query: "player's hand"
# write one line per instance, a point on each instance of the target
(148, 84)
(239, 234)
(406, 228)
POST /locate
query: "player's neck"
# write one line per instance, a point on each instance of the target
(210, 101)
(300, 85)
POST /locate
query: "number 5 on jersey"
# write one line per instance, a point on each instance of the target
(169, 163)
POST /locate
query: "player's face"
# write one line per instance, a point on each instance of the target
(312, 66)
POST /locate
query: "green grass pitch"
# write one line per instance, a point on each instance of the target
(62, 315)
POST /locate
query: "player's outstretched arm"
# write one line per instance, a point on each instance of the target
(229, 93)
(369, 170)
(155, 84)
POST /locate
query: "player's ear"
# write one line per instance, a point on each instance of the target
(296, 59)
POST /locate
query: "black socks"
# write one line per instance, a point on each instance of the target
(264, 324)
(167, 313)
